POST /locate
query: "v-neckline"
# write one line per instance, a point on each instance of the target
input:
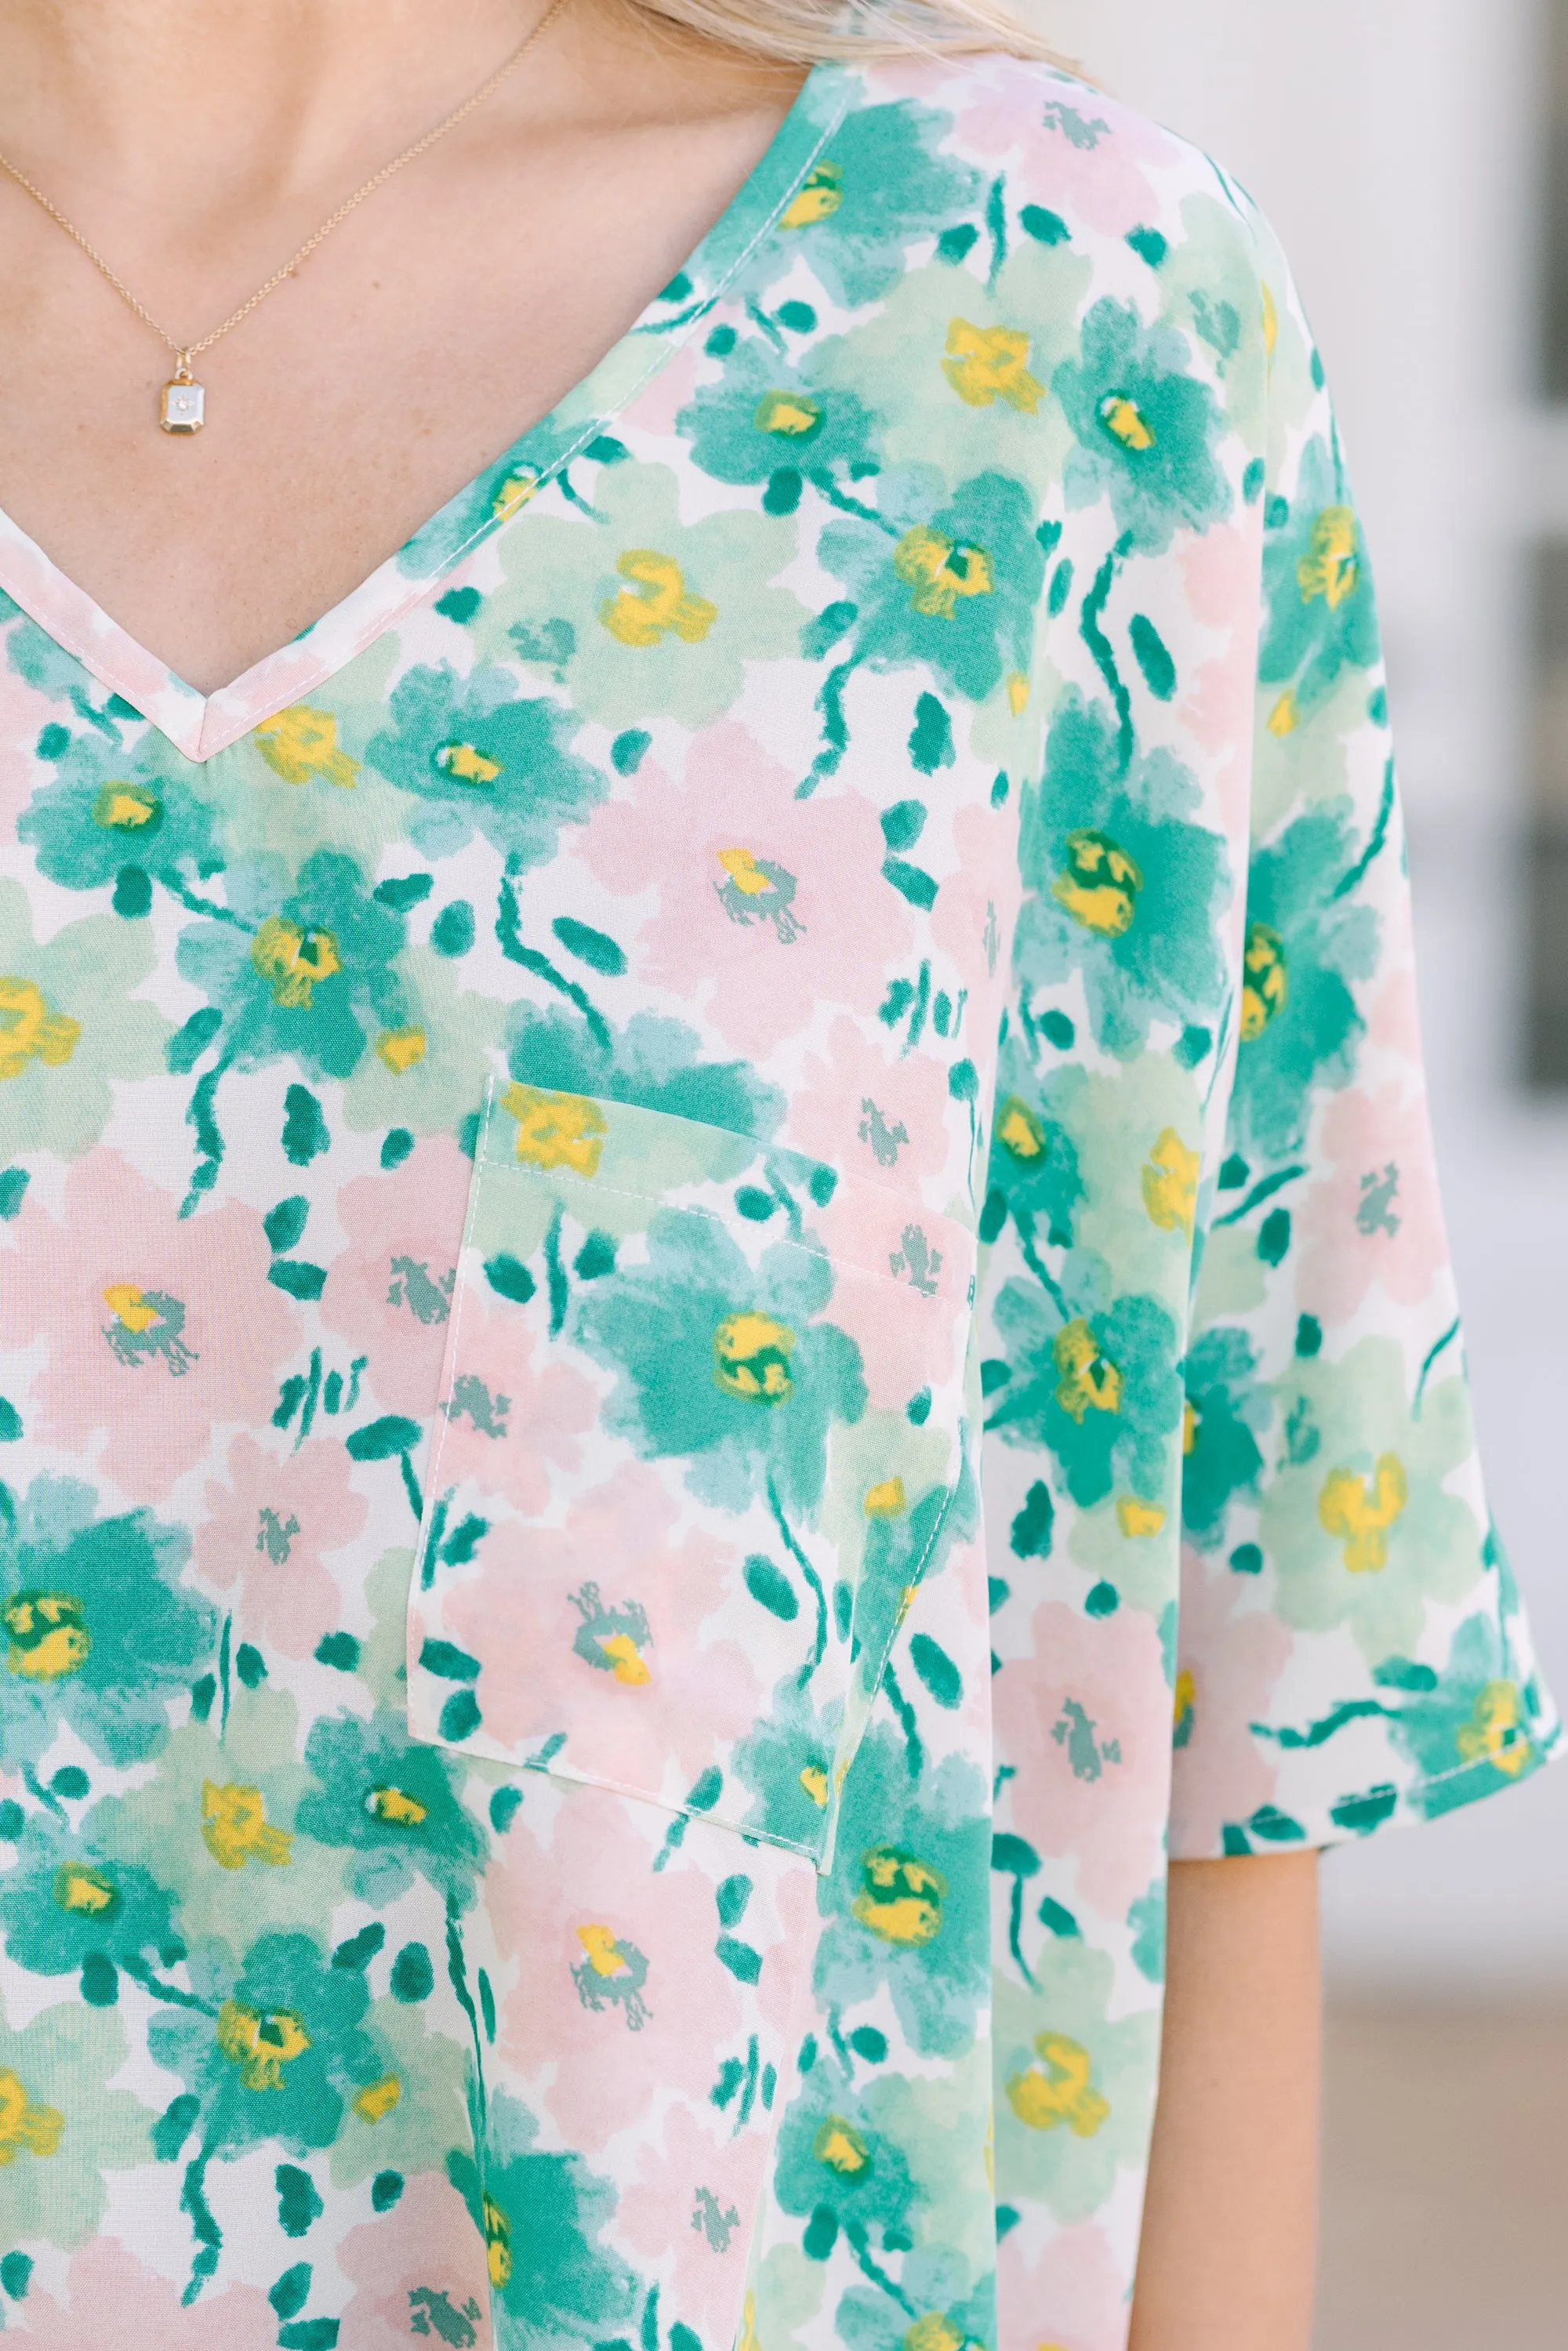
(200, 724)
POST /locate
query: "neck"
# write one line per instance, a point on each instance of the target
(159, 99)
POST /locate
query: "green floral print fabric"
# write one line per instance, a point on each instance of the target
(721, 1292)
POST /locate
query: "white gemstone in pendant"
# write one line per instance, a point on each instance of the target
(184, 401)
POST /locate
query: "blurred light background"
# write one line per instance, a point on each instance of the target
(1412, 156)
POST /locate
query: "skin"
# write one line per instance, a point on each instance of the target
(197, 147)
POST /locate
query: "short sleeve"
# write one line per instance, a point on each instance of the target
(1350, 1649)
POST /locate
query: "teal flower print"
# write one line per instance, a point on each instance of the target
(69, 1908)
(276, 2049)
(1075, 2084)
(908, 1896)
(1320, 605)
(643, 612)
(64, 2131)
(1033, 1175)
(1472, 1728)
(1146, 429)
(880, 181)
(1126, 888)
(767, 421)
(98, 1632)
(955, 587)
(788, 1762)
(1308, 941)
(131, 819)
(394, 1802)
(485, 760)
(838, 2161)
(70, 1030)
(726, 1367)
(951, 2311)
(543, 2216)
(652, 1061)
(1099, 1386)
(309, 974)
(1228, 1410)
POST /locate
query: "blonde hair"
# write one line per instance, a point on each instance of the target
(804, 32)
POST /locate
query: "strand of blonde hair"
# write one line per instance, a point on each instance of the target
(806, 32)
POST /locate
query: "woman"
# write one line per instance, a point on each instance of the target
(831, 927)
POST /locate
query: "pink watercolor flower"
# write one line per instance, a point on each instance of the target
(1071, 2284)
(504, 1421)
(270, 1531)
(901, 1290)
(865, 1110)
(1219, 695)
(1230, 1654)
(110, 2298)
(1378, 1216)
(1086, 1726)
(763, 915)
(158, 1328)
(423, 2255)
(1106, 177)
(525, 1608)
(975, 911)
(389, 1292)
(701, 2267)
(624, 1999)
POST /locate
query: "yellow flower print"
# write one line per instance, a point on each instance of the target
(125, 807)
(236, 1829)
(751, 1358)
(378, 2099)
(515, 492)
(1282, 718)
(934, 2332)
(1100, 884)
(748, 2338)
(814, 1780)
(1089, 1381)
(901, 1898)
(792, 414)
(1125, 422)
(1019, 1130)
(605, 1956)
(626, 1661)
(1185, 1704)
(1190, 1419)
(1058, 2089)
(1270, 322)
(48, 1636)
(1359, 1511)
(658, 605)
(841, 2147)
(260, 2044)
(25, 2128)
(1265, 980)
(985, 364)
(940, 572)
(1170, 1183)
(29, 1031)
(498, 2243)
(887, 1501)
(401, 1049)
(391, 1804)
(1495, 1733)
(1138, 1520)
(557, 1130)
(1017, 693)
(85, 1893)
(819, 196)
(292, 961)
(1330, 567)
(759, 890)
(467, 764)
(300, 742)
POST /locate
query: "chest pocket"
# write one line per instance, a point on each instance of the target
(699, 1438)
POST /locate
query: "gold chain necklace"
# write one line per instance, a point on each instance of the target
(183, 406)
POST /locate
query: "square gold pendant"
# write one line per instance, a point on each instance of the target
(184, 405)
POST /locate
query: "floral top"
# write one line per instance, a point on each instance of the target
(701, 1211)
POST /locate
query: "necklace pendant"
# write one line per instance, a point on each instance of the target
(183, 406)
